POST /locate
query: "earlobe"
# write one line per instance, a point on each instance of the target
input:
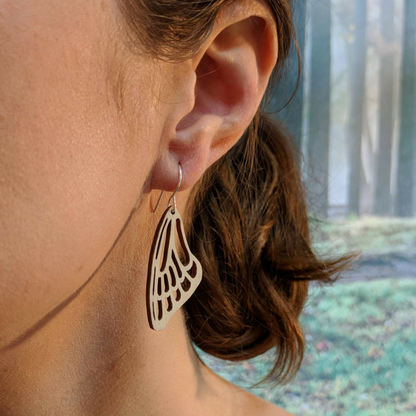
(232, 71)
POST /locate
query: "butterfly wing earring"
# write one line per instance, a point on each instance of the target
(170, 280)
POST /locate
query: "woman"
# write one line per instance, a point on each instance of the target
(102, 104)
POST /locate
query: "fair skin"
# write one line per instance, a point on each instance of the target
(90, 132)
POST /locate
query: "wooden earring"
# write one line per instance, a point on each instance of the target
(170, 282)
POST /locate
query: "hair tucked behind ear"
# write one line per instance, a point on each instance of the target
(249, 229)
(247, 219)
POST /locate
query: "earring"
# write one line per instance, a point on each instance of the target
(170, 283)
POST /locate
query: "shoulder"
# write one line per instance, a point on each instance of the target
(243, 403)
(252, 405)
(255, 406)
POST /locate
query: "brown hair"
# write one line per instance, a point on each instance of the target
(246, 219)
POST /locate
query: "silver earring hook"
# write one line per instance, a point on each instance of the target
(174, 194)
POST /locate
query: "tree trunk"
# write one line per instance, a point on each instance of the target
(356, 112)
(407, 138)
(289, 112)
(319, 118)
(382, 188)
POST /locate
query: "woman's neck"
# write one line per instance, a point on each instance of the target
(98, 356)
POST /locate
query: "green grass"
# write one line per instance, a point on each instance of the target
(371, 235)
(360, 358)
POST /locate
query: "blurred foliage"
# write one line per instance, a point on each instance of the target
(369, 235)
(360, 358)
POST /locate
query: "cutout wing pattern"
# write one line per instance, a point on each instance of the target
(170, 283)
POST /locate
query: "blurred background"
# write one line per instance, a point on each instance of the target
(354, 118)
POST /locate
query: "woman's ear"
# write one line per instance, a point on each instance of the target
(228, 77)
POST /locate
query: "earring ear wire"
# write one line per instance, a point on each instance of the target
(174, 194)
(172, 275)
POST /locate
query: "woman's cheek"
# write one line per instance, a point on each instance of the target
(69, 173)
